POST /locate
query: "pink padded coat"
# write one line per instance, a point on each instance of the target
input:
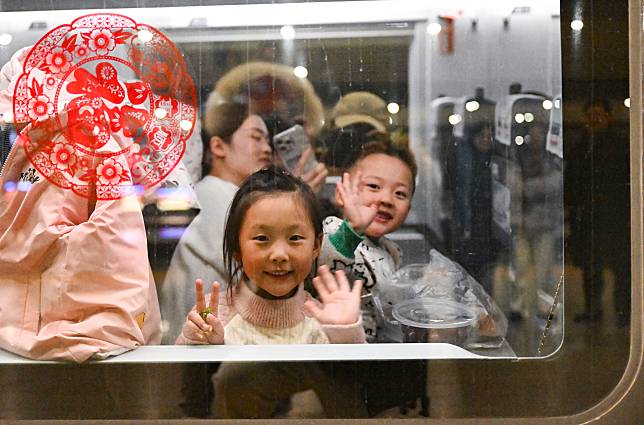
(75, 282)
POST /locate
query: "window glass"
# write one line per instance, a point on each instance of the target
(127, 132)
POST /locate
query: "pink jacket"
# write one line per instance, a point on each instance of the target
(75, 281)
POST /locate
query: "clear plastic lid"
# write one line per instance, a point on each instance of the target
(433, 313)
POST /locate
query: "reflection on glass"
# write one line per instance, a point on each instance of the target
(469, 96)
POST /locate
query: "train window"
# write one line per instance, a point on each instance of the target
(380, 188)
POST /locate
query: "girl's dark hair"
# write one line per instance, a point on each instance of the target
(266, 182)
(221, 120)
(383, 145)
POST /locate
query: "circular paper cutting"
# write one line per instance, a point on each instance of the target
(109, 103)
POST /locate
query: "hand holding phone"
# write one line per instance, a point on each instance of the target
(290, 144)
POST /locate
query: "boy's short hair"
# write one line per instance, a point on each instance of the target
(383, 145)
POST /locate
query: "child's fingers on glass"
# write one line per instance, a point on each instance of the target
(200, 301)
(198, 320)
(312, 308)
(341, 189)
(192, 332)
(347, 183)
(342, 281)
(357, 287)
(355, 182)
(213, 304)
(339, 194)
(328, 279)
(319, 286)
(213, 322)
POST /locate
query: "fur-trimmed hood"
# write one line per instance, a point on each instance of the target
(284, 86)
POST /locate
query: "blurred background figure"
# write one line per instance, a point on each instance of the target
(537, 232)
(354, 120)
(467, 184)
(472, 191)
(357, 118)
(273, 92)
(599, 215)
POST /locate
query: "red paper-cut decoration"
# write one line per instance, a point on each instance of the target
(89, 91)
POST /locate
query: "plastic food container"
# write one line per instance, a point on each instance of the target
(435, 320)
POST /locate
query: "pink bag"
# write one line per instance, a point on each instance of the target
(75, 281)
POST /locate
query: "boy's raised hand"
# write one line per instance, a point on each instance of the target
(358, 215)
(202, 325)
(340, 303)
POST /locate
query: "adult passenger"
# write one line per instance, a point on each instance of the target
(599, 167)
(76, 283)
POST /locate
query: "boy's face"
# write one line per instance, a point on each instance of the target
(386, 182)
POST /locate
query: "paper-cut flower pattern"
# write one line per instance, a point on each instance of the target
(59, 60)
(62, 156)
(40, 108)
(101, 41)
(109, 172)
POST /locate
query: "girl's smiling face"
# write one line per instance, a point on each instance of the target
(277, 243)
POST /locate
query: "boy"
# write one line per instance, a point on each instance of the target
(375, 197)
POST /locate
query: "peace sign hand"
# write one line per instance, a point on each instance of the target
(202, 325)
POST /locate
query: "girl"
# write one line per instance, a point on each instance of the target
(236, 145)
(273, 236)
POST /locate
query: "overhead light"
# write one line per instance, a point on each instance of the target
(434, 28)
(287, 32)
(300, 72)
(144, 36)
(5, 39)
(529, 117)
(627, 102)
(557, 103)
(518, 140)
(393, 108)
(577, 25)
(7, 117)
(519, 118)
(160, 113)
(472, 106)
(547, 104)
(454, 119)
(185, 125)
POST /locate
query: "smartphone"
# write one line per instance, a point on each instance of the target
(290, 144)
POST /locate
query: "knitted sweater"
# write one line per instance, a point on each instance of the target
(249, 319)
